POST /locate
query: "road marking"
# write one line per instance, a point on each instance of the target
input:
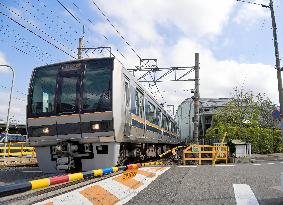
(270, 163)
(244, 195)
(98, 195)
(257, 164)
(188, 166)
(281, 162)
(225, 165)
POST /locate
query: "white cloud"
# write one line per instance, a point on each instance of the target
(196, 19)
(3, 61)
(250, 14)
(18, 107)
(139, 19)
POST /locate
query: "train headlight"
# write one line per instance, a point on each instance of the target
(95, 126)
(45, 130)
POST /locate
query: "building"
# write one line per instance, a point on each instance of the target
(185, 116)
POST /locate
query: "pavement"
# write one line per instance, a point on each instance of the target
(240, 184)
(267, 157)
(226, 184)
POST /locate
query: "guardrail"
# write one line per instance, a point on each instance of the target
(201, 153)
(16, 149)
(6, 190)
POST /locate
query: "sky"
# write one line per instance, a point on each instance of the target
(234, 41)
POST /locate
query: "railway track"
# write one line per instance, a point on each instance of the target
(35, 196)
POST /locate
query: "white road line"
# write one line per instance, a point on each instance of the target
(281, 162)
(225, 165)
(244, 195)
(188, 166)
(270, 163)
(30, 171)
(257, 164)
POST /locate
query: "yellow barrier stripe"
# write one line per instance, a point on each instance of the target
(36, 184)
(115, 169)
(98, 172)
(76, 176)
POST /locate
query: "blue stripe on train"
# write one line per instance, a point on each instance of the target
(137, 124)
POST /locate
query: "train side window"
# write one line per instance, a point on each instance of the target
(164, 122)
(151, 113)
(127, 93)
(158, 117)
(139, 103)
(170, 125)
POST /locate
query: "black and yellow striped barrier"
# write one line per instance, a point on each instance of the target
(11, 189)
(173, 151)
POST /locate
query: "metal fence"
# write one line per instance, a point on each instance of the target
(17, 149)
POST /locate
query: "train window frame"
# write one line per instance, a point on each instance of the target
(139, 103)
(30, 109)
(158, 117)
(151, 116)
(127, 93)
(96, 66)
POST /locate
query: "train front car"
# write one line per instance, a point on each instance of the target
(70, 115)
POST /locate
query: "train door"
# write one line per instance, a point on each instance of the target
(127, 104)
(68, 122)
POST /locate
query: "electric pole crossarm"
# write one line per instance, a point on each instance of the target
(187, 73)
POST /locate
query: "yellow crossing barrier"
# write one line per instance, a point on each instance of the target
(201, 153)
(16, 149)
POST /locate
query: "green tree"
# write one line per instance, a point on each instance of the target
(247, 117)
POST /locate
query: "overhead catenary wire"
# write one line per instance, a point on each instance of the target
(117, 31)
(78, 20)
(29, 46)
(254, 3)
(34, 26)
(48, 18)
(42, 38)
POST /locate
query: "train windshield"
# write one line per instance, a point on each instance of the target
(44, 88)
(72, 88)
(97, 87)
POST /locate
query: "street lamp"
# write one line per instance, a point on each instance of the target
(9, 106)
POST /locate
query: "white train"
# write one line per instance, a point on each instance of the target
(92, 113)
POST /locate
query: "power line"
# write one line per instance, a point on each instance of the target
(254, 3)
(38, 52)
(114, 27)
(33, 25)
(50, 20)
(36, 34)
(69, 12)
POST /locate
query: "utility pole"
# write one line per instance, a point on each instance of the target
(80, 47)
(278, 67)
(196, 99)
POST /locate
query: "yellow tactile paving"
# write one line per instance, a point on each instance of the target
(99, 196)
(131, 183)
(157, 168)
(146, 173)
(49, 203)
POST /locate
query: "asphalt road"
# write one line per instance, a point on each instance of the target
(214, 185)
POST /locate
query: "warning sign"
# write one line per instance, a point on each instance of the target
(130, 173)
(195, 149)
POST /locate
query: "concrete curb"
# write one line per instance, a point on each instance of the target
(11, 189)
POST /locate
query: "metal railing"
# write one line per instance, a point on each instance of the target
(16, 149)
(201, 153)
